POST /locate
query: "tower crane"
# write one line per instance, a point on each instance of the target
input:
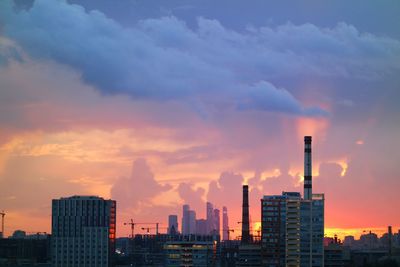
(228, 231)
(132, 224)
(151, 228)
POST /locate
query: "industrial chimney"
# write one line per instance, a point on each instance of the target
(307, 168)
(245, 216)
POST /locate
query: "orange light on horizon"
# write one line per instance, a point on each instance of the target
(356, 232)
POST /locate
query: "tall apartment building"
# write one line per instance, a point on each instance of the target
(83, 231)
(293, 227)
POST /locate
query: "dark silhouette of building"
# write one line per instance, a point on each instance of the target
(25, 251)
(83, 231)
(225, 224)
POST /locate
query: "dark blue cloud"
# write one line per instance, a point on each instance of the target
(238, 14)
(163, 58)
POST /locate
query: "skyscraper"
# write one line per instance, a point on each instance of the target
(83, 231)
(210, 217)
(188, 221)
(192, 222)
(217, 223)
(225, 223)
(172, 224)
(185, 220)
(201, 227)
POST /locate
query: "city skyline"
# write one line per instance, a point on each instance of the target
(157, 105)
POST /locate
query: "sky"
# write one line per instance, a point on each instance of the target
(157, 104)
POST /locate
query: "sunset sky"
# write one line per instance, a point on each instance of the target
(160, 103)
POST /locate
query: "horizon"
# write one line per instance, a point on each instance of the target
(158, 104)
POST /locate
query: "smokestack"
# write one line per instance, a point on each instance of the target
(245, 216)
(307, 168)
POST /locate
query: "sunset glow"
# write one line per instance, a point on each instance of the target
(171, 104)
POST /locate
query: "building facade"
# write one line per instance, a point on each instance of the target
(190, 253)
(83, 231)
(292, 230)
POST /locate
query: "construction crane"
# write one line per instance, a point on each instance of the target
(228, 231)
(2, 213)
(152, 228)
(132, 224)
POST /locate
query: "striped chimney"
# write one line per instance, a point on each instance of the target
(307, 168)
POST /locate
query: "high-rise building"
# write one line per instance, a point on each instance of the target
(83, 231)
(293, 227)
(201, 227)
(280, 229)
(217, 223)
(210, 217)
(225, 224)
(185, 220)
(188, 221)
(192, 222)
(172, 224)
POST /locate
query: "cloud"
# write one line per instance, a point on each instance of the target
(192, 196)
(42, 178)
(265, 96)
(140, 187)
(23, 4)
(164, 59)
(227, 191)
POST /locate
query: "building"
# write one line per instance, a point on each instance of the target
(312, 231)
(190, 253)
(225, 224)
(210, 217)
(201, 227)
(185, 219)
(293, 227)
(217, 223)
(188, 221)
(249, 255)
(22, 251)
(192, 222)
(336, 254)
(172, 224)
(280, 227)
(83, 231)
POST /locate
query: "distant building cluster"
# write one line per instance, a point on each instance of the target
(291, 235)
(193, 226)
